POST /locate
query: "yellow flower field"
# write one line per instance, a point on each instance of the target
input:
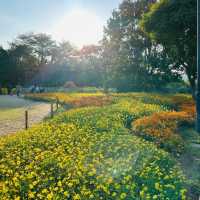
(89, 153)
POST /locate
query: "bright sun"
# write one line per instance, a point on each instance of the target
(80, 27)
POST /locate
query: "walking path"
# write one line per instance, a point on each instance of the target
(12, 109)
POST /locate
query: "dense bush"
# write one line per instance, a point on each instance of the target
(13, 91)
(185, 103)
(4, 91)
(162, 128)
(70, 84)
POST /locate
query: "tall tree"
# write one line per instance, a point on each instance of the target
(135, 60)
(172, 23)
(23, 62)
(41, 44)
(198, 68)
(62, 52)
(6, 69)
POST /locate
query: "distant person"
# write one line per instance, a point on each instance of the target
(18, 90)
(37, 89)
(32, 89)
(42, 90)
(9, 89)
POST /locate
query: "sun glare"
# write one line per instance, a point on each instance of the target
(79, 26)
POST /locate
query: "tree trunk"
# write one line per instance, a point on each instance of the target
(192, 84)
(198, 69)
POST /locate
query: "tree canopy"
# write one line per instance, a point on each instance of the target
(135, 62)
(147, 44)
(172, 23)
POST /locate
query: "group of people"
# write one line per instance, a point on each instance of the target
(18, 89)
(36, 89)
(32, 89)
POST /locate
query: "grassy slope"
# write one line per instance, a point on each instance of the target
(94, 148)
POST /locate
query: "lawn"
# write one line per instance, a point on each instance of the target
(102, 148)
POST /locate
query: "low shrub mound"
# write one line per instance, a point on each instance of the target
(91, 101)
(162, 128)
(4, 91)
(185, 103)
(87, 153)
(120, 114)
(74, 99)
(70, 84)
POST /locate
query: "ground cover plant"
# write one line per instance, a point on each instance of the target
(74, 99)
(162, 128)
(90, 153)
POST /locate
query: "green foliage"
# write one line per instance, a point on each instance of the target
(13, 91)
(4, 91)
(147, 44)
(132, 61)
(172, 23)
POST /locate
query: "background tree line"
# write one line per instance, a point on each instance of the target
(147, 44)
(37, 59)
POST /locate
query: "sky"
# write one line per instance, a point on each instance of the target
(78, 21)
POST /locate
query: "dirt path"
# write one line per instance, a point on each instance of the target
(12, 111)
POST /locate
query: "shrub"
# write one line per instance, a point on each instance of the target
(13, 91)
(4, 91)
(162, 128)
(185, 103)
(70, 84)
(91, 89)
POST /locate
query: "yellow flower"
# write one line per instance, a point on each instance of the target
(31, 195)
(59, 183)
(91, 196)
(123, 196)
(76, 197)
(50, 196)
(34, 183)
(70, 184)
(157, 186)
(183, 194)
(155, 196)
(44, 191)
(66, 193)
(114, 194)
(110, 180)
(31, 186)
(142, 194)
(18, 162)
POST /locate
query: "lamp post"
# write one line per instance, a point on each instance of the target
(198, 68)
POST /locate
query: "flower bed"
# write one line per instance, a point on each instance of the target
(88, 153)
(162, 128)
(74, 99)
